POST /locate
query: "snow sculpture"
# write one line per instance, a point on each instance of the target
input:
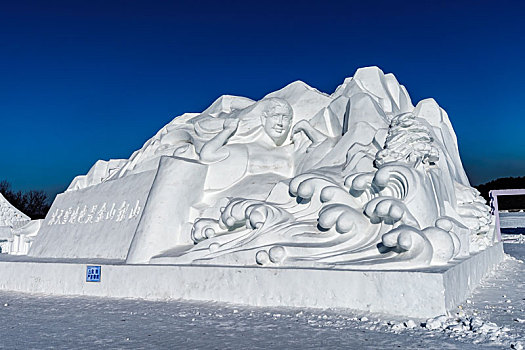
(10, 216)
(11, 220)
(359, 179)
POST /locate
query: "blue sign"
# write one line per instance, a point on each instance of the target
(93, 274)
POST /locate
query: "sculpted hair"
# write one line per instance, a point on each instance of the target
(274, 103)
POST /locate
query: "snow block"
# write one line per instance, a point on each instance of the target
(110, 220)
(94, 222)
(421, 293)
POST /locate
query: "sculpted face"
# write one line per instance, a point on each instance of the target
(277, 124)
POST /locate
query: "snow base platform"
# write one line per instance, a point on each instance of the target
(420, 293)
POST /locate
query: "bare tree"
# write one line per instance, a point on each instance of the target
(34, 204)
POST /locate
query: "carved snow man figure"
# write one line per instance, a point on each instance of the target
(245, 160)
(276, 121)
(240, 155)
(249, 163)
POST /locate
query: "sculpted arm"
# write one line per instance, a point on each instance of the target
(214, 149)
(313, 134)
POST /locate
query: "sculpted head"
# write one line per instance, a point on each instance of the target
(277, 120)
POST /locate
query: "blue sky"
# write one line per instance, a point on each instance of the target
(82, 81)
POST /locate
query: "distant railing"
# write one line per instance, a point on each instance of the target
(494, 203)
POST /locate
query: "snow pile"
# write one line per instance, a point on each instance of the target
(511, 219)
(460, 327)
(471, 327)
(516, 239)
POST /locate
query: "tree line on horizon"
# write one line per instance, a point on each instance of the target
(33, 203)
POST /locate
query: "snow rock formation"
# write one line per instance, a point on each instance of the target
(359, 179)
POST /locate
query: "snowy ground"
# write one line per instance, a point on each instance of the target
(512, 222)
(493, 318)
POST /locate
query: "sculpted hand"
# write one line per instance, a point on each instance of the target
(314, 135)
(214, 150)
(231, 124)
(300, 127)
